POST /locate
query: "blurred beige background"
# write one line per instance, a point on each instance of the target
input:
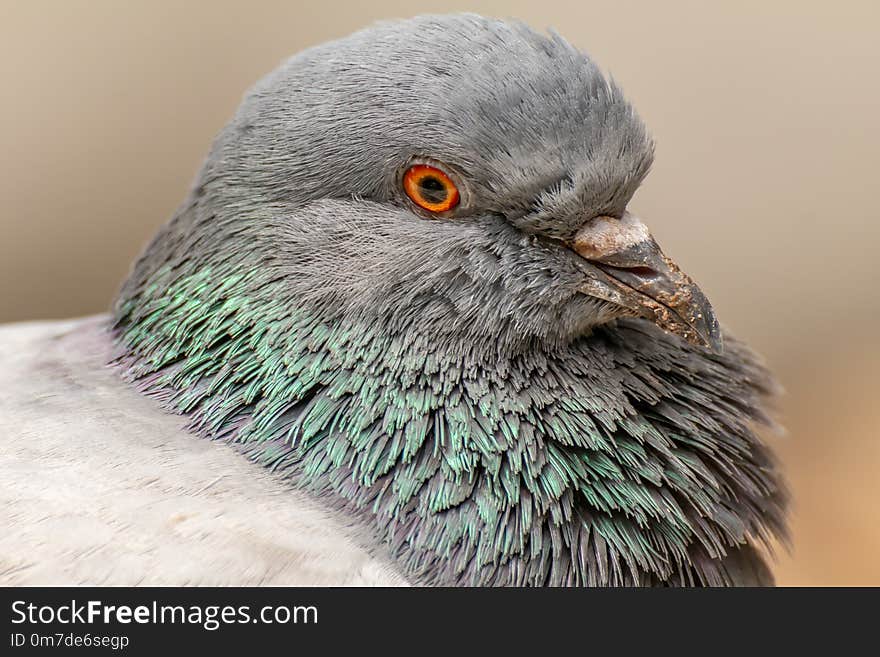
(765, 185)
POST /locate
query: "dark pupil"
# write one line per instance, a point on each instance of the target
(432, 190)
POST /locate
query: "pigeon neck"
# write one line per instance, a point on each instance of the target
(628, 458)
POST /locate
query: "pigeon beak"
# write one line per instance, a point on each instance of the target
(633, 272)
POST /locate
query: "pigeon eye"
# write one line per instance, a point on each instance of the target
(430, 188)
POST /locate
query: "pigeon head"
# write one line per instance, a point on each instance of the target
(407, 278)
(446, 176)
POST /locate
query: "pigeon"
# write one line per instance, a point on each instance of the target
(403, 330)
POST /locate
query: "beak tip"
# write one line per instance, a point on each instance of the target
(707, 332)
(715, 343)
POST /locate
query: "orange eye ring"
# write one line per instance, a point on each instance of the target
(430, 188)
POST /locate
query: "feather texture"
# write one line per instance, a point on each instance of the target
(627, 457)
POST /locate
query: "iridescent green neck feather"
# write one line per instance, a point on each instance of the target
(625, 458)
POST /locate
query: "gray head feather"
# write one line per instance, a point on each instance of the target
(541, 140)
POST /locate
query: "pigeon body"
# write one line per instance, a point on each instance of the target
(102, 488)
(406, 282)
